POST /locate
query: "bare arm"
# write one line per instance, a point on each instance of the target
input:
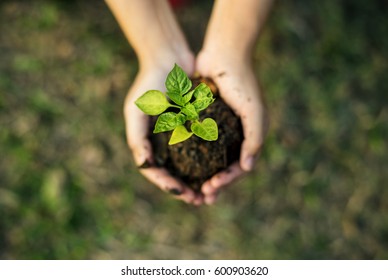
(151, 29)
(235, 25)
(154, 34)
(226, 57)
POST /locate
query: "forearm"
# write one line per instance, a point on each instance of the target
(235, 25)
(151, 29)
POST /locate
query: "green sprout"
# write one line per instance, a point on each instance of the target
(188, 102)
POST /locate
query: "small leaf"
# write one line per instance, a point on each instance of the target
(177, 98)
(153, 102)
(207, 130)
(202, 91)
(190, 112)
(203, 97)
(202, 104)
(177, 81)
(168, 121)
(187, 97)
(179, 134)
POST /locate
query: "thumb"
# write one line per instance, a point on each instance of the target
(255, 127)
(142, 154)
(249, 154)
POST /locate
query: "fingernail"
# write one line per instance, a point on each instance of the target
(175, 191)
(249, 162)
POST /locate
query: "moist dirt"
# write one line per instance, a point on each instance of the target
(195, 160)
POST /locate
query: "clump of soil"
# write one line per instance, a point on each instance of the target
(196, 160)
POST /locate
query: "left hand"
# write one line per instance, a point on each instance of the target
(240, 90)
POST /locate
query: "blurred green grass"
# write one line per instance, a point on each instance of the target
(68, 186)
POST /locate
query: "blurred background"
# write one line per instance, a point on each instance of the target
(68, 185)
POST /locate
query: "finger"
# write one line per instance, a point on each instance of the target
(247, 103)
(142, 154)
(211, 199)
(160, 176)
(212, 186)
(163, 180)
(207, 188)
(137, 129)
(226, 176)
(209, 193)
(255, 126)
(199, 200)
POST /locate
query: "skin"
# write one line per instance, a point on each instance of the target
(154, 34)
(226, 58)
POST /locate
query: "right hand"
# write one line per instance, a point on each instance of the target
(240, 89)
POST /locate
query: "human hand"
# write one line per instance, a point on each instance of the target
(137, 129)
(153, 32)
(239, 88)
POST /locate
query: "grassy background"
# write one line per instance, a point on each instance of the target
(68, 186)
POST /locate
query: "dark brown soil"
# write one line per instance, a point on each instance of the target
(196, 160)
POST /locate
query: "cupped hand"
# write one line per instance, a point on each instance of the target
(137, 131)
(240, 89)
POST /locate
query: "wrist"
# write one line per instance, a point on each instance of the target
(224, 57)
(228, 50)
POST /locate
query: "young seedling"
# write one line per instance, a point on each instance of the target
(188, 102)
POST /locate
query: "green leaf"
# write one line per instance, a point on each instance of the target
(179, 134)
(177, 82)
(202, 91)
(207, 130)
(203, 97)
(187, 97)
(202, 104)
(190, 112)
(153, 102)
(168, 121)
(177, 98)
